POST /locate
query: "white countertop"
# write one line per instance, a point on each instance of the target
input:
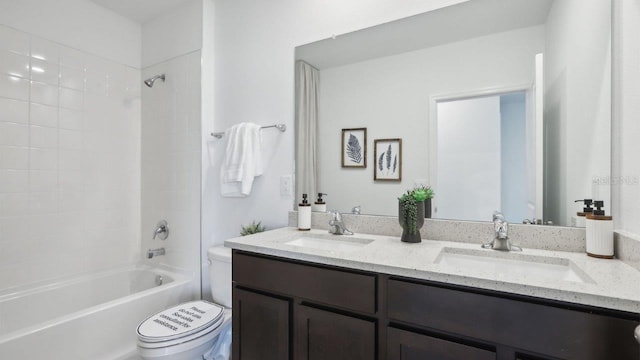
(611, 284)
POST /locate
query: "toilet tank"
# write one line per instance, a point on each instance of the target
(220, 274)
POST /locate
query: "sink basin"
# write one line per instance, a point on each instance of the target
(512, 264)
(335, 243)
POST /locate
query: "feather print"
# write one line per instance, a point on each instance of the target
(380, 160)
(395, 163)
(389, 157)
(354, 150)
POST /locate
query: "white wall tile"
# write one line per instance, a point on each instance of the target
(43, 137)
(44, 71)
(53, 168)
(44, 115)
(14, 181)
(14, 204)
(70, 139)
(72, 78)
(43, 203)
(70, 119)
(43, 181)
(14, 111)
(72, 58)
(43, 93)
(14, 41)
(42, 49)
(14, 64)
(70, 99)
(12, 157)
(71, 159)
(13, 87)
(14, 134)
(43, 159)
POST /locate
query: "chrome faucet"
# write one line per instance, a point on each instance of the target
(162, 230)
(501, 235)
(356, 210)
(336, 225)
(155, 252)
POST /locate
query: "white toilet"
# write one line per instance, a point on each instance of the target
(190, 331)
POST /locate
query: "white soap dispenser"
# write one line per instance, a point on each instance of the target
(599, 233)
(304, 214)
(319, 205)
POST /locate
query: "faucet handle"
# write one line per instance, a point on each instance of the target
(335, 214)
(162, 230)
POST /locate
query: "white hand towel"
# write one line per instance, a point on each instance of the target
(242, 160)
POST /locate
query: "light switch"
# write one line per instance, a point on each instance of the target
(285, 185)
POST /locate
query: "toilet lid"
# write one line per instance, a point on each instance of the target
(179, 321)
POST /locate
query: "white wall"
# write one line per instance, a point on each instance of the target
(575, 122)
(172, 34)
(626, 127)
(390, 97)
(254, 64)
(69, 160)
(172, 115)
(79, 24)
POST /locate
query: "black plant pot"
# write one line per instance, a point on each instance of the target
(427, 208)
(406, 235)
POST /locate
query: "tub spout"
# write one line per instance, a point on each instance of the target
(155, 252)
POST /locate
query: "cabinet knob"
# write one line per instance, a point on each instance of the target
(637, 334)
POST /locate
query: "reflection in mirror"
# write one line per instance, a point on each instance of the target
(392, 79)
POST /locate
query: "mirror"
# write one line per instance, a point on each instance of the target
(399, 80)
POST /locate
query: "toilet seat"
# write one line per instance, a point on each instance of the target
(182, 323)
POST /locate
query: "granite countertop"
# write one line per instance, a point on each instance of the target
(603, 283)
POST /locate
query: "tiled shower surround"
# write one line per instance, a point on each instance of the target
(69, 160)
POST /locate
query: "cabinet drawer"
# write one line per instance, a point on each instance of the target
(348, 290)
(549, 330)
(406, 345)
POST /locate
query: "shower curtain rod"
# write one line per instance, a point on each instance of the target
(281, 127)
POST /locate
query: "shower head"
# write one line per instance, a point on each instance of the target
(149, 82)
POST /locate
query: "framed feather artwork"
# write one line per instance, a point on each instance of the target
(388, 156)
(354, 148)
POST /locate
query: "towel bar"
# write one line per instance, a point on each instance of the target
(281, 127)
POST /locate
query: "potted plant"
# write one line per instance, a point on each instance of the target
(252, 228)
(427, 201)
(411, 214)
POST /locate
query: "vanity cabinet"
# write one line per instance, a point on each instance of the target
(289, 309)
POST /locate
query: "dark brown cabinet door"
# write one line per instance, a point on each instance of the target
(323, 335)
(260, 326)
(405, 345)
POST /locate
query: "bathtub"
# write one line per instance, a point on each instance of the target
(86, 317)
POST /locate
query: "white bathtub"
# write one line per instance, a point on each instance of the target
(87, 317)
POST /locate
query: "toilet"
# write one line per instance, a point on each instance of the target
(196, 329)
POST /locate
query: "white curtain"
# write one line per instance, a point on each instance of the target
(307, 79)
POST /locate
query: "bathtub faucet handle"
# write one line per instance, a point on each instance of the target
(162, 230)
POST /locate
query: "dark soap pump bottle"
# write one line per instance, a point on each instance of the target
(304, 214)
(580, 219)
(320, 205)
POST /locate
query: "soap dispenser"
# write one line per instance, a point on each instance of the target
(304, 214)
(599, 232)
(580, 219)
(320, 205)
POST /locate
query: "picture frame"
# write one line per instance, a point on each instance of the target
(354, 148)
(388, 160)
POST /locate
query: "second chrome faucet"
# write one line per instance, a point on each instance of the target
(336, 225)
